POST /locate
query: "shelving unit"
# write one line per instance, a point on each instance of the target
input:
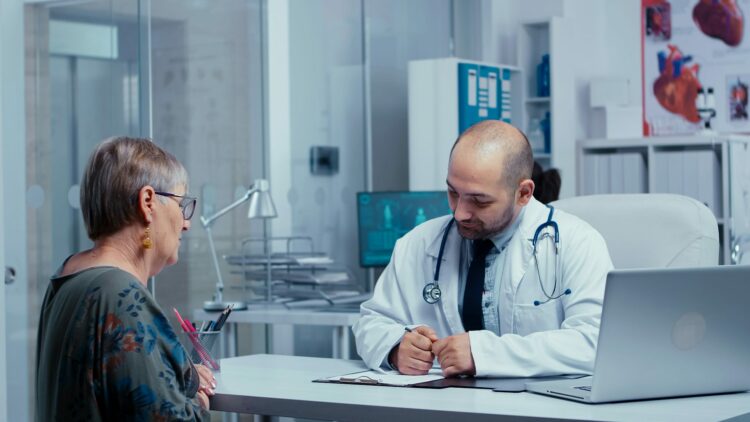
(707, 168)
(440, 98)
(536, 39)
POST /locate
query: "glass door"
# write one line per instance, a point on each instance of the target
(84, 82)
(186, 74)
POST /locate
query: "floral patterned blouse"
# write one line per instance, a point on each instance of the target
(106, 352)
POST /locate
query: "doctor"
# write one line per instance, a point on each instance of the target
(506, 286)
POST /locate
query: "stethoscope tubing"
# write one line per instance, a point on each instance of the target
(432, 293)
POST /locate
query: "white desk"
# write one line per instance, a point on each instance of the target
(281, 386)
(278, 314)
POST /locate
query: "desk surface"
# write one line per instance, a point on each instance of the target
(282, 385)
(279, 314)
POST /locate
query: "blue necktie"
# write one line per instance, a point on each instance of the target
(472, 315)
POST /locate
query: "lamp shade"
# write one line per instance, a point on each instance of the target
(261, 203)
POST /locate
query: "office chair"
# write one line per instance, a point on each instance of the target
(650, 230)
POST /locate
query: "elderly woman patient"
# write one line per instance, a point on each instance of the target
(105, 349)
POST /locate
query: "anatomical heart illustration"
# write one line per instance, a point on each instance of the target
(720, 19)
(677, 86)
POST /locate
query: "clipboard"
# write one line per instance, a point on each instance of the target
(500, 385)
(392, 379)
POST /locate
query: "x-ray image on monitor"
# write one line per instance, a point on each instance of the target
(386, 216)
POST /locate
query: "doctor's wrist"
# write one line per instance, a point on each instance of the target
(392, 355)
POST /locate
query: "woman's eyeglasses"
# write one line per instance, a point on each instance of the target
(187, 203)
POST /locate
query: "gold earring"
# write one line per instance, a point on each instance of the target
(147, 243)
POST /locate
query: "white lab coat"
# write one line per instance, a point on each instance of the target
(557, 337)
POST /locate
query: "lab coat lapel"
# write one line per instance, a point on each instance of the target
(520, 249)
(448, 275)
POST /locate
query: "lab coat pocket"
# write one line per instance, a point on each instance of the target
(528, 318)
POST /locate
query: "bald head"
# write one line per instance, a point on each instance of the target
(497, 142)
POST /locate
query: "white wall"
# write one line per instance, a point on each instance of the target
(624, 44)
(604, 41)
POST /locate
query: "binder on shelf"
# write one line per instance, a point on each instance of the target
(709, 180)
(691, 172)
(675, 172)
(603, 179)
(616, 173)
(634, 170)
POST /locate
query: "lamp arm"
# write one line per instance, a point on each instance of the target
(219, 295)
(207, 221)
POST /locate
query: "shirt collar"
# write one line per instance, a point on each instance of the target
(501, 239)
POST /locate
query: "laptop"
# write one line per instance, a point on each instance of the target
(667, 333)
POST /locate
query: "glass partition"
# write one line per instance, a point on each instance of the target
(83, 83)
(186, 74)
(190, 75)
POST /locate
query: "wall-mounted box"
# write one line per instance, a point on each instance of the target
(324, 160)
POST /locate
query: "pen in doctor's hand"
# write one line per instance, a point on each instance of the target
(424, 331)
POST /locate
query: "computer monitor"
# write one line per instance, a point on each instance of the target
(383, 217)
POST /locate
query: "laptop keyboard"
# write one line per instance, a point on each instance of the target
(584, 388)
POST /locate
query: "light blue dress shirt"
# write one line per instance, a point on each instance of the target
(492, 282)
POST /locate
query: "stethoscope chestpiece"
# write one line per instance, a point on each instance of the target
(431, 293)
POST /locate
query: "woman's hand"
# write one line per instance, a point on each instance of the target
(202, 399)
(207, 382)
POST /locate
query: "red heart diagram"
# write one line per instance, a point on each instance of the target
(677, 86)
(720, 19)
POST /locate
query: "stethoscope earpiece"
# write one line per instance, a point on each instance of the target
(566, 292)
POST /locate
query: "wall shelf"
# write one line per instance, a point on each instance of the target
(707, 168)
(535, 39)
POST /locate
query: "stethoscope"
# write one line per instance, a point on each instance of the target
(431, 292)
(540, 235)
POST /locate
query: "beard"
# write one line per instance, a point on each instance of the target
(477, 229)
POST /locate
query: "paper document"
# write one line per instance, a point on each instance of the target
(312, 278)
(314, 260)
(387, 378)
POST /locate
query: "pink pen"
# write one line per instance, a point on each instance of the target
(182, 321)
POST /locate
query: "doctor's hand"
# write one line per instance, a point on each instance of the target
(413, 356)
(454, 355)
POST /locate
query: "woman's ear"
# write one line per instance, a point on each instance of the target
(146, 198)
(525, 192)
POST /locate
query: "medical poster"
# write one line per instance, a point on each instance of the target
(696, 66)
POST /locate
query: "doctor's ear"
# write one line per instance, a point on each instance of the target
(524, 192)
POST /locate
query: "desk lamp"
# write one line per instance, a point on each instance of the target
(261, 206)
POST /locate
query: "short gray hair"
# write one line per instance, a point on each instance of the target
(116, 171)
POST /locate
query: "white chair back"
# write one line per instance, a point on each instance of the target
(650, 230)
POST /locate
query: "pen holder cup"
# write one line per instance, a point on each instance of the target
(202, 347)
